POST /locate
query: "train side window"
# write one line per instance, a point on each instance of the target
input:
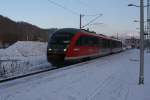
(103, 43)
(82, 41)
(109, 44)
(87, 41)
(95, 41)
(100, 43)
(113, 44)
(90, 41)
(79, 41)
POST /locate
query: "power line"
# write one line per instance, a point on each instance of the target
(86, 7)
(65, 8)
(82, 3)
(99, 15)
(92, 15)
(75, 13)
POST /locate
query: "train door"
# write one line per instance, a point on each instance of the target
(105, 49)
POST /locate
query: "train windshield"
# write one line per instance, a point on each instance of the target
(61, 39)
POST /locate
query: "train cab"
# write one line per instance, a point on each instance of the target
(58, 44)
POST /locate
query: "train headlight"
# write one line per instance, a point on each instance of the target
(65, 49)
(50, 49)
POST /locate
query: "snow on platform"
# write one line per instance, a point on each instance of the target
(114, 77)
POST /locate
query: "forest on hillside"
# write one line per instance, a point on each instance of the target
(11, 31)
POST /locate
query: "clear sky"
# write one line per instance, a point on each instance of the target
(117, 16)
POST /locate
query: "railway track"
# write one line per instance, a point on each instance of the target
(26, 75)
(40, 71)
(48, 69)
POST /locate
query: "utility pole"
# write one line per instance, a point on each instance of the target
(117, 36)
(141, 75)
(81, 20)
(141, 72)
(148, 26)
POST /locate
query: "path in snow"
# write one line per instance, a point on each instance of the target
(114, 77)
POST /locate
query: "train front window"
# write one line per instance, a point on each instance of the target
(61, 39)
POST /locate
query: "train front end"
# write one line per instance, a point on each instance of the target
(58, 45)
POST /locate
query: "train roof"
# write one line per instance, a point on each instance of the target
(69, 30)
(74, 31)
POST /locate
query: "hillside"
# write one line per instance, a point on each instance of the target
(11, 31)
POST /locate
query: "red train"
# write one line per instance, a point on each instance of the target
(71, 44)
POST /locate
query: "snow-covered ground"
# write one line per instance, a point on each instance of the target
(22, 57)
(113, 77)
